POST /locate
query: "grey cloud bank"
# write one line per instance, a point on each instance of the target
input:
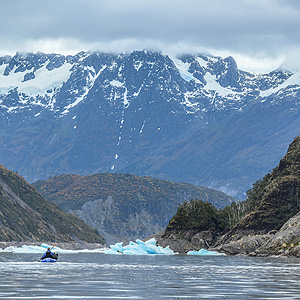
(260, 34)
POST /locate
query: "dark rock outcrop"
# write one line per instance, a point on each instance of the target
(285, 241)
(185, 241)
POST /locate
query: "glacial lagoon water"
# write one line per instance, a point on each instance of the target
(104, 276)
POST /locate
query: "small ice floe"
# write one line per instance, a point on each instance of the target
(41, 249)
(139, 248)
(204, 252)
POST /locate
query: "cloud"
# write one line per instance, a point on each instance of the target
(258, 33)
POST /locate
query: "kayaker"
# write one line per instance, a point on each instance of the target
(50, 254)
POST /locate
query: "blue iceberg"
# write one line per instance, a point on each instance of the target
(139, 248)
(204, 252)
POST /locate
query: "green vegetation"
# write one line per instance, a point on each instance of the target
(198, 216)
(26, 215)
(270, 203)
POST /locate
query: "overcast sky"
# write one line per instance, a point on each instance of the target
(260, 34)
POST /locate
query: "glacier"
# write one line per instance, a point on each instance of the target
(293, 80)
(139, 248)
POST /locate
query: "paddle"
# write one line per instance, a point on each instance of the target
(50, 249)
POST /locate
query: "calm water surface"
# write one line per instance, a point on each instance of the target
(100, 276)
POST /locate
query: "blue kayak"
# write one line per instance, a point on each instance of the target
(49, 259)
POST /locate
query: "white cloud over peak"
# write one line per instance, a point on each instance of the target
(260, 34)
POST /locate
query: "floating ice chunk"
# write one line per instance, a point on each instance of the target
(139, 248)
(42, 249)
(24, 249)
(204, 252)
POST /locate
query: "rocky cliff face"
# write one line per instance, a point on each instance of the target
(285, 241)
(26, 216)
(104, 215)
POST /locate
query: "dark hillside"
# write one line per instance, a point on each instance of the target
(26, 216)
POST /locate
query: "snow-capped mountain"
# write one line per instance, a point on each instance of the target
(192, 118)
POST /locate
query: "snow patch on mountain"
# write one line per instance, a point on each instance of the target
(191, 107)
(203, 63)
(116, 83)
(292, 80)
(90, 81)
(213, 85)
(137, 64)
(183, 69)
(126, 102)
(43, 80)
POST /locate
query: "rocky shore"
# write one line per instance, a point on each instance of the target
(284, 242)
(184, 241)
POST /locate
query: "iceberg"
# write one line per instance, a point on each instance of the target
(42, 249)
(204, 252)
(139, 248)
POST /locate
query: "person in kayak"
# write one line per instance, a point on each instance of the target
(50, 254)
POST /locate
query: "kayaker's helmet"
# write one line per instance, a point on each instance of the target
(48, 249)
